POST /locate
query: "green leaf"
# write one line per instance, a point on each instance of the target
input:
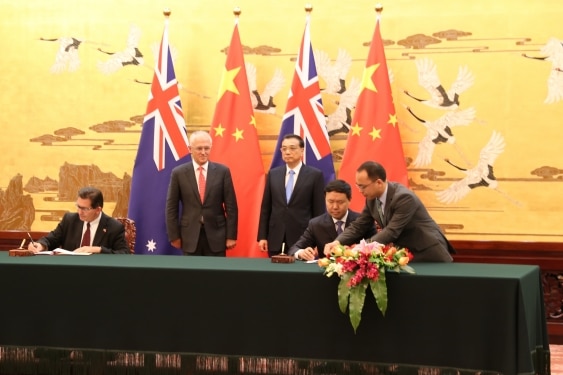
(357, 297)
(379, 290)
(408, 269)
(343, 293)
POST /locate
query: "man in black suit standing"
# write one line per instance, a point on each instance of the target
(404, 220)
(207, 223)
(87, 231)
(326, 227)
(292, 196)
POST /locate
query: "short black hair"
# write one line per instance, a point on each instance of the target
(339, 186)
(95, 195)
(295, 136)
(374, 170)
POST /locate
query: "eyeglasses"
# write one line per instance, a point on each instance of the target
(362, 187)
(83, 209)
(289, 148)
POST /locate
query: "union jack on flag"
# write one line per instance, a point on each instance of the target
(165, 108)
(163, 146)
(304, 113)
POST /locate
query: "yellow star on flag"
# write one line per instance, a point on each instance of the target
(219, 130)
(367, 81)
(228, 82)
(392, 119)
(238, 134)
(374, 133)
(356, 129)
(253, 121)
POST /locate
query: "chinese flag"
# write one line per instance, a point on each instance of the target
(235, 144)
(374, 134)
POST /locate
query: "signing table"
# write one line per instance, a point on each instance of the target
(471, 317)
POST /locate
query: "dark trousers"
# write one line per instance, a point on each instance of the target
(203, 248)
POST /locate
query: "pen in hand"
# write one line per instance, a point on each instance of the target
(31, 239)
(33, 243)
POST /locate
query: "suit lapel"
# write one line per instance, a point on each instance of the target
(301, 178)
(100, 231)
(78, 226)
(329, 225)
(211, 176)
(192, 181)
(388, 199)
(278, 181)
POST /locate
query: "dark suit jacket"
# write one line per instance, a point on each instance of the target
(281, 221)
(408, 225)
(219, 210)
(110, 235)
(321, 230)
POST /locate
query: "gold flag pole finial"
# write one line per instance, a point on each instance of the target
(308, 9)
(166, 12)
(378, 10)
(236, 12)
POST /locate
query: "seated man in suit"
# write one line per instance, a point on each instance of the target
(324, 228)
(87, 231)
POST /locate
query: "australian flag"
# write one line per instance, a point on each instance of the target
(304, 113)
(163, 146)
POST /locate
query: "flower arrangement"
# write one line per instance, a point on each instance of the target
(359, 266)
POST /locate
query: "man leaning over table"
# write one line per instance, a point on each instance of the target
(403, 219)
(89, 230)
(326, 227)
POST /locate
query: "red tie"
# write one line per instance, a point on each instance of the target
(201, 183)
(86, 237)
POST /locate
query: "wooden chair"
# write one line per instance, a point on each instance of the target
(130, 232)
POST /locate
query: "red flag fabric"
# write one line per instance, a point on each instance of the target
(374, 134)
(235, 144)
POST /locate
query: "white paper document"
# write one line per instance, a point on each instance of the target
(60, 252)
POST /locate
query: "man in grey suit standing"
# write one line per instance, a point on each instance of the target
(292, 196)
(403, 219)
(324, 228)
(207, 222)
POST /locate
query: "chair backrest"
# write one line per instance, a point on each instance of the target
(130, 232)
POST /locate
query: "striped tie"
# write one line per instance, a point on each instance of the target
(380, 211)
(339, 226)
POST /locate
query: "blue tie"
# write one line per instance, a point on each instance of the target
(289, 185)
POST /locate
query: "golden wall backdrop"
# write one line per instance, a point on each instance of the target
(75, 121)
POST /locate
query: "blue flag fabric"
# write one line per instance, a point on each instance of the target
(163, 146)
(304, 113)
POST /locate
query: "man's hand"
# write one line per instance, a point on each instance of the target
(35, 247)
(177, 243)
(308, 254)
(328, 247)
(263, 244)
(229, 244)
(89, 249)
